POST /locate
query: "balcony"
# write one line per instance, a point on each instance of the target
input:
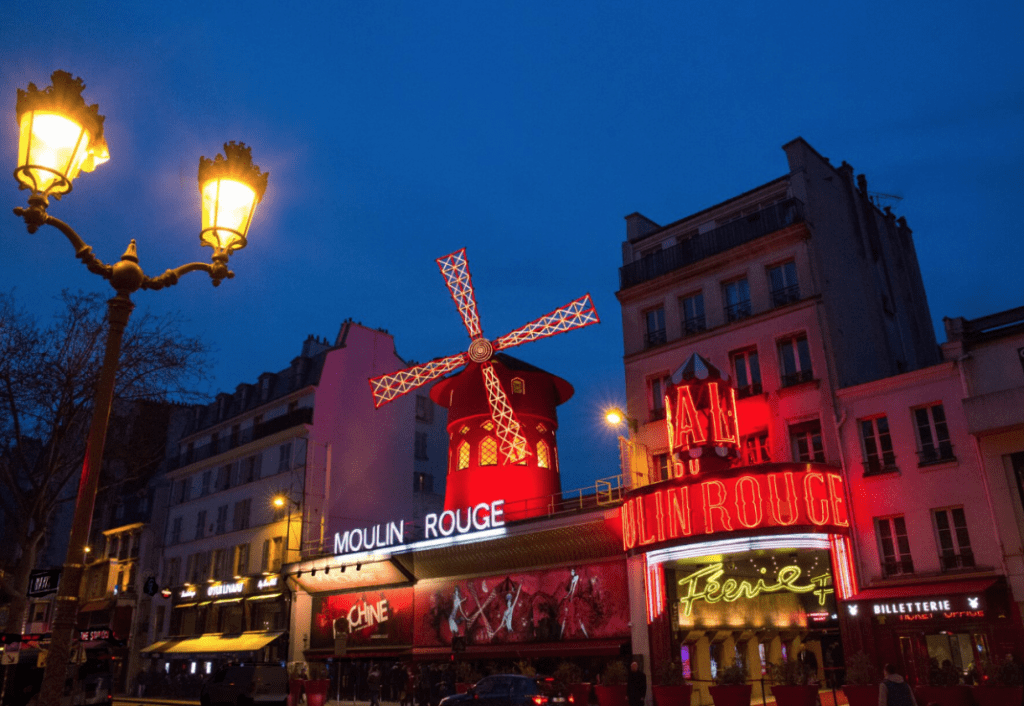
(951, 562)
(786, 295)
(303, 415)
(694, 325)
(748, 390)
(655, 338)
(802, 376)
(704, 245)
(897, 567)
(737, 311)
(935, 454)
(880, 466)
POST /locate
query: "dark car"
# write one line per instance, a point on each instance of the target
(513, 690)
(246, 685)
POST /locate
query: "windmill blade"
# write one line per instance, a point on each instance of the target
(455, 270)
(511, 443)
(388, 387)
(575, 314)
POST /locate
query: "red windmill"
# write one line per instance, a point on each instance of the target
(455, 269)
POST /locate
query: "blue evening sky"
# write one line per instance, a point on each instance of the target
(397, 132)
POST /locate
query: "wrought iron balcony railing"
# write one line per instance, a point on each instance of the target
(790, 379)
(935, 454)
(655, 338)
(704, 245)
(786, 295)
(897, 567)
(952, 562)
(748, 390)
(878, 466)
(694, 325)
(737, 311)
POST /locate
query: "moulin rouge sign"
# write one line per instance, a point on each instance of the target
(707, 494)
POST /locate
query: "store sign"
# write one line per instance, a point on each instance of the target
(94, 634)
(43, 582)
(941, 608)
(187, 593)
(225, 589)
(436, 525)
(267, 582)
(707, 585)
(362, 619)
(768, 495)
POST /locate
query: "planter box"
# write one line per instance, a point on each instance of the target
(580, 693)
(862, 694)
(732, 695)
(610, 694)
(294, 692)
(998, 695)
(316, 691)
(945, 695)
(795, 695)
(672, 695)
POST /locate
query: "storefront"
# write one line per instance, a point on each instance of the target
(967, 623)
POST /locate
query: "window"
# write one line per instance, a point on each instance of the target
(424, 409)
(876, 444)
(1016, 461)
(654, 332)
(422, 483)
(488, 451)
(176, 531)
(234, 435)
(463, 455)
(893, 546)
(249, 474)
(241, 560)
(240, 520)
(795, 359)
(284, 462)
(659, 467)
(806, 439)
(420, 445)
(201, 524)
(518, 386)
(276, 554)
(222, 519)
(122, 549)
(543, 455)
(657, 388)
(756, 449)
(223, 477)
(207, 478)
(932, 435)
(136, 539)
(737, 299)
(183, 488)
(784, 287)
(692, 308)
(746, 369)
(952, 538)
(214, 439)
(217, 566)
(172, 571)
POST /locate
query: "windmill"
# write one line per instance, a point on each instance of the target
(455, 270)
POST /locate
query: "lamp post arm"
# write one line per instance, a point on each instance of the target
(35, 216)
(218, 271)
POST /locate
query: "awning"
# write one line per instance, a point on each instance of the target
(934, 588)
(95, 605)
(246, 642)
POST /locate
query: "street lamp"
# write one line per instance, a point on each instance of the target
(60, 137)
(633, 455)
(279, 502)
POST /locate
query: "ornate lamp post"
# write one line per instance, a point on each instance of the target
(60, 137)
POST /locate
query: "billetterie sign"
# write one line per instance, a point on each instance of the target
(771, 495)
(436, 525)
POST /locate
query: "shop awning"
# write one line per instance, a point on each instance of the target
(935, 588)
(246, 642)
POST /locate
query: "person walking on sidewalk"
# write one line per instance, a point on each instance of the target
(373, 682)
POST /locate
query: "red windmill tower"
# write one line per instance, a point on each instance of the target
(485, 379)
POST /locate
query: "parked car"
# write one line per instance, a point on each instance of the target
(246, 685)
(513, 690)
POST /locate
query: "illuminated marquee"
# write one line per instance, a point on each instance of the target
(706, 585)
(757, 497)
(226, 589)
(700, 416)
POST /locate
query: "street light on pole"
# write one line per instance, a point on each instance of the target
(633, 455)
(60, 136)
(279, 502)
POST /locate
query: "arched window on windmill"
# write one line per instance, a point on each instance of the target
(463, 456)
(518, 386)
(543, 455)
(488, 451)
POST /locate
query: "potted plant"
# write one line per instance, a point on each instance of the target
(612, 689)
(791, 684)
(317, 685)
(465, 677)
(944, 687)
(731, 687)
(670, 687)
(571, 674)
(861, 687)
(1003, 685)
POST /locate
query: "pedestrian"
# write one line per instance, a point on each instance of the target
(373, 683)
(894, 690)
(636, 685)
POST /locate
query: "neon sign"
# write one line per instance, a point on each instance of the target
(706, 585)
(365, 539)
(188, 593)
(700, 416)
(949, 608)
(768, 495)
(225, 589)
(364, 615)
(267, 582)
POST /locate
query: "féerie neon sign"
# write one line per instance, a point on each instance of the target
(706, 585)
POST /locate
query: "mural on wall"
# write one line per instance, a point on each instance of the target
(369, 618)
(571, 603)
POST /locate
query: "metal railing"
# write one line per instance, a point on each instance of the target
(655, 338)
(737, 311)
(694, 325)
(877, 466)
(935, 454)
(790, 379)
(704, 245)
(786, 295)
(303, 415)
(750, 390)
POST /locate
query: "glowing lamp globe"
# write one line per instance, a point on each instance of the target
(613, 416)
(59, 136)
(230, 187)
